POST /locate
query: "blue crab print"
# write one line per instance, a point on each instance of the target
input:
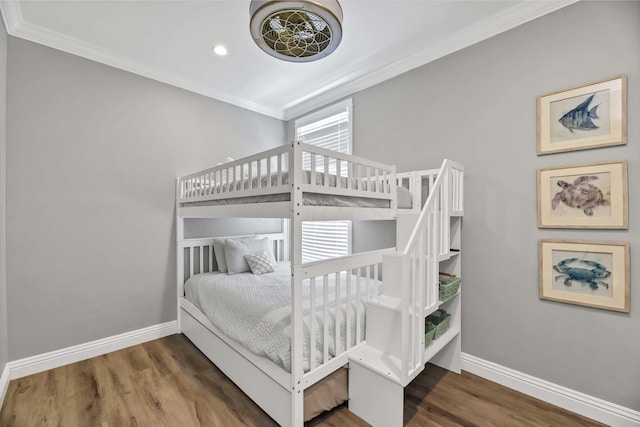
(583, 275)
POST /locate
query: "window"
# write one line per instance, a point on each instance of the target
(329, 128)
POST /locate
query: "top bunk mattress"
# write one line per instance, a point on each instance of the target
(404, 198)
(313, 199)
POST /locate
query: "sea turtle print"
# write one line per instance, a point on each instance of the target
(580, 195)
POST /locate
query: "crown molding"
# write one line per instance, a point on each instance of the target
(357, 79)
(11, 15)
(18, 27)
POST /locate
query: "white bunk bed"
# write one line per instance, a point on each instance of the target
(297, 182)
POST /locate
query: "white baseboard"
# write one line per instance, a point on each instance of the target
(4, 382)
(54, 359)
(571, 400)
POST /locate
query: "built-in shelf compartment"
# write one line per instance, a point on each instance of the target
(452, 253)
(437, 345)
(450, 262)
(451, 298)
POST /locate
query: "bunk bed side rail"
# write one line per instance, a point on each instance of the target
(238, 178)
(331, 172)
(196, 256)
(410, 181)
(351, 281)
(417, 264)
(419, 183)
(322, 172)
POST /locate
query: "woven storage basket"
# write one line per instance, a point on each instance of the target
(429, 332)
(449, 287)
(442, 320)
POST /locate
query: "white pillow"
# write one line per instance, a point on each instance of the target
(260, 263)
(404, 198)
(218, 249)
(235, 250)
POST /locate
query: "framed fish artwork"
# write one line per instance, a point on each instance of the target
(593, 274)
(583, 196)
(588, 116)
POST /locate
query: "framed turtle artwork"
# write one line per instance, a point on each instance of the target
(583, 117)
(583, 196)
(593, 274)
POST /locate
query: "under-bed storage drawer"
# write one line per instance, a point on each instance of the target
(267, 393)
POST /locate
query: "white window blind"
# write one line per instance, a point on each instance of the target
(329, 128)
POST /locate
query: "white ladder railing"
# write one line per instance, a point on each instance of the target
(416, 267)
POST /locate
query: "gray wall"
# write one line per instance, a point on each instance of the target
(478, 107)
(93, 153)
(4, 352)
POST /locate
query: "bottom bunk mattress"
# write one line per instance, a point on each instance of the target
(255, 310)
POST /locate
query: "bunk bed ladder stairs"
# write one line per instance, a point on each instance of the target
(394, 353)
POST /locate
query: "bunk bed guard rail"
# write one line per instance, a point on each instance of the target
(323, 172)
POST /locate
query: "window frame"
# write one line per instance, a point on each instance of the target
(322, 114)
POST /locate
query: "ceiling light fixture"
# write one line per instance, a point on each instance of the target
(296, 31)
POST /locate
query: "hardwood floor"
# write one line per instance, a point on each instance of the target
(168, 382)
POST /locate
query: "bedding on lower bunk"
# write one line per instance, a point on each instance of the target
(255, 311)
(309, 199)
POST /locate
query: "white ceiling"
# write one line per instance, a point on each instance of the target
(171, 41)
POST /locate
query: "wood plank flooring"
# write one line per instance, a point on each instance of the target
(169, 383)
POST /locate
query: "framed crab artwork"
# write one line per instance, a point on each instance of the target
(583, 196)
(582, 117)
(593, 274)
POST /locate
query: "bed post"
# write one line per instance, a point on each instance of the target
(179, 255)
(297, 388)
(286, 239)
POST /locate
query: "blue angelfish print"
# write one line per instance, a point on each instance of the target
(580, 117)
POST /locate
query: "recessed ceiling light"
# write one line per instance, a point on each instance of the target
(220, 50)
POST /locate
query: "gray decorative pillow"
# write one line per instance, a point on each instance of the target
(235, 250)
(259, 263)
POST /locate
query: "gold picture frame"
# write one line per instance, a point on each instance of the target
(591, 195)
(582, 117)
(592, 274)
